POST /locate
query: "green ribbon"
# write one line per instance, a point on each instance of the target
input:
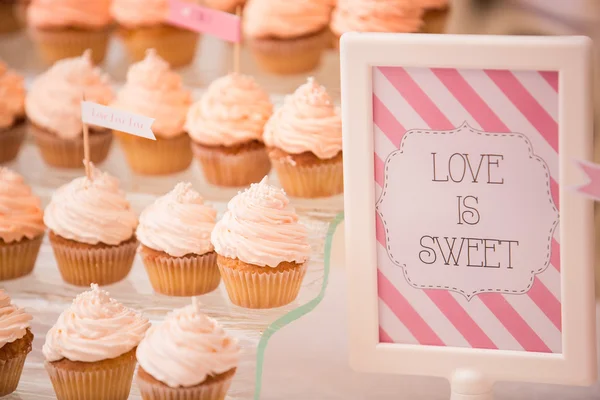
(297, 312)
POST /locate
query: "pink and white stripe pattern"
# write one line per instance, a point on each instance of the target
(489, 100)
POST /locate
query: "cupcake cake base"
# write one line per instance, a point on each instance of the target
(12, 360)
(213, 388)
(252, 286)
(11, 140)
(156, 157)
(233, 166)
(68, 153)
(58, 44)
(190, 275)
(176, 46)
(106, 379)
(306, 175)
(17, 259)
(82, 264)
(290, 56)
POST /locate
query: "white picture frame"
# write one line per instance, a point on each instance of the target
(471, 371)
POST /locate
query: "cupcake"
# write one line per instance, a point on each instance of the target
(8, 19)
(376, 16)
(229, 6)
(21, 226)
(287, 37)
(188, 356)
(15, 343)
(226, 127)
(12, 113)
(262, 248)
(92, 230)
(65, 28)
(304, 138)
(155, 91)
(436, 14)
(90, 351)
(53, 107)
(174, 233)
(142, 26)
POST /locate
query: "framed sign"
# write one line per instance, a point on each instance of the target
(469, 254)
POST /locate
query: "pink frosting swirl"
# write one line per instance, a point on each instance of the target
(69, 13)
(14, 321)
(154, 90)
(12, 97)
(377, 16)
(132, 13)
(285, 19)
(54, 99)
(178, 223)
(21, 214)
(308, 121)
(260, 227)
(187, 348)
(233, 110)
(91, 211)
(94, 328)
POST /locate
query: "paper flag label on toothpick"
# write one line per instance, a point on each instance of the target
(119, 120)
(203, 19)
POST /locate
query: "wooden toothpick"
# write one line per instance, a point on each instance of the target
(237, 46)
(86, 147)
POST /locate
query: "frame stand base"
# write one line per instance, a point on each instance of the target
(470, 385)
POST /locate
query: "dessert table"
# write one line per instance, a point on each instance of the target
(306, 359)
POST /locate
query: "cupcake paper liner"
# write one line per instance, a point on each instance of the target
(176, 46)
(293, 56)
(68, 153)
(310, 181)
(233, 170)
(98, 383)
(8, 19)
(182, 276)
(17, 259)
(82, 265)
(268, 289)
(156, 157)
(10, 374)
(11, 141)
(208, 391)
(57, 44)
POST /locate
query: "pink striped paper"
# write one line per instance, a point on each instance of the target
(496, 101)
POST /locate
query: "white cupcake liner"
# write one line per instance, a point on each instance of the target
(269, 289)
(110, 383)
(10, 374)
(211, 391)
(182, 276)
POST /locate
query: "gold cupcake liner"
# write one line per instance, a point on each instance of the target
(111, 382)
(17, 259)
(11, 141)
(57, 44)
(182, 276)
(310, 181)
(82, 266)
(233, 169)
(156, 157)
(207, 391)
(293, 56)
(10, 373)
(8, 19)
(176, 46)
(68, 153)
(268, 289)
